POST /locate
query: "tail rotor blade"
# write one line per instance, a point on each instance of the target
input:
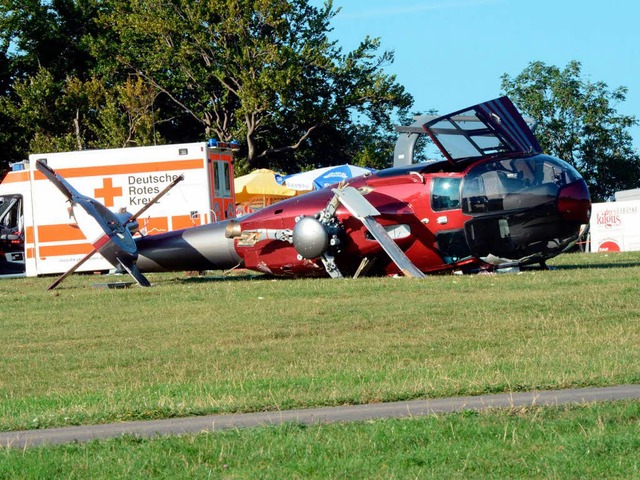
(65, 187)
(133, 270)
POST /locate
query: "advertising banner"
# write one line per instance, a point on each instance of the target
(615, 226)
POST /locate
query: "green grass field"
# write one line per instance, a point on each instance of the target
(190, 346)
(596, 441)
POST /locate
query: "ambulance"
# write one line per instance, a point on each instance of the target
(39, 234)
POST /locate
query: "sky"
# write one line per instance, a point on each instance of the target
(451, 54)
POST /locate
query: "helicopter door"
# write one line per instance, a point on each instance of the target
(482, 131)
(445, 198)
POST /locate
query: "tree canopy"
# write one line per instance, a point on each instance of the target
(96, 74)
(578, 121)
(78, 74)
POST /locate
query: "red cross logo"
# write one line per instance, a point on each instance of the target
(108, 192)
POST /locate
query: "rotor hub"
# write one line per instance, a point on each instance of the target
(310, 238)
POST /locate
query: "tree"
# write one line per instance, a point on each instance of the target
(260, 71)
(95, 74)
(44, 41)
(7, 128)
(48, 34)
(578, 122)
(55, 94)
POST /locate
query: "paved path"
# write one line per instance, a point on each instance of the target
(175, 426)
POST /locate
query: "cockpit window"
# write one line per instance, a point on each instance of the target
(465, 139)
(445, 193)
(515, 183)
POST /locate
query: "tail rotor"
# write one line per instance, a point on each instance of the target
(115, 243)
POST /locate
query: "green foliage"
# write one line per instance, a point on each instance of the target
(75, 115)
(579, 123)
(49, 34)
(115, 73)
(263, 72)
(34, 110)
(118, 116)
(54, 100)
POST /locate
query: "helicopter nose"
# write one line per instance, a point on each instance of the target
(574, 203)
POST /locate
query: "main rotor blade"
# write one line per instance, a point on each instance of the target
(156, 198)
(72, 269)
(360, 208)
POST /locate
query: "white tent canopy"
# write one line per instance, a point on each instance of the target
(321, 177)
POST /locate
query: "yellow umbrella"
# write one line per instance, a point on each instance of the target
(260, 183)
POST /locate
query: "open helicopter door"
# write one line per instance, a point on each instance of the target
(474, 132)
(484, 130)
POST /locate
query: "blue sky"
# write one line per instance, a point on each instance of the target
(450, 54)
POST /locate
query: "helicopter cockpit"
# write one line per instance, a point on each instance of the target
(525, 206)
(518, 205)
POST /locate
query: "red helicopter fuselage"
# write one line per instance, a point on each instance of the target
(494, 201)
(439, 217)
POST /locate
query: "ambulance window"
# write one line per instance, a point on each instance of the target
(11, 213)
(445, 193)
(222, 179)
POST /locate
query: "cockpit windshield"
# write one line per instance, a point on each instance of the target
(514, 205)
(515, 183)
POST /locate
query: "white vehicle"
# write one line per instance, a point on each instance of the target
(39, 234)
(615, 226)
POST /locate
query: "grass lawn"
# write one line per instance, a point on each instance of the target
(589, 441)
(190, 345)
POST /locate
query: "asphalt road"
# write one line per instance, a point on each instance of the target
(352, 413)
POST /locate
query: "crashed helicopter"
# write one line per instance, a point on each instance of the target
(494, 201)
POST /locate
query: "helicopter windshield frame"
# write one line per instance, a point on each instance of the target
(486, 130)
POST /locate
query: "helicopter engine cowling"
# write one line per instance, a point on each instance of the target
(310, 238)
